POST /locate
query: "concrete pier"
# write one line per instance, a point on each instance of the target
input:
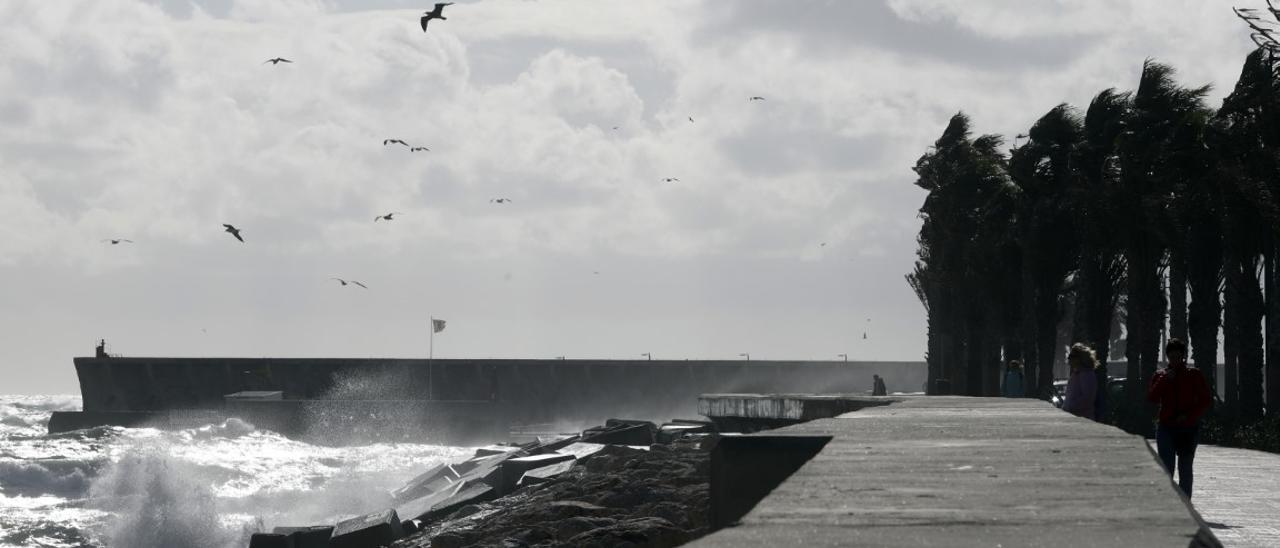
(954, 471)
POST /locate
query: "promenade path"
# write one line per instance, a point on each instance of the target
(955, 471)
(1237, 492)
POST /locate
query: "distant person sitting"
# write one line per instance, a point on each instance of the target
(101, 350)
(1082, 387)
(1014, 387)
(877, 386)
(1184, 397)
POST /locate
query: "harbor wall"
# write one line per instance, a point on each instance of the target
(528, 391)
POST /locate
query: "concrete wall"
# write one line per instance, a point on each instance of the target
(531, 391)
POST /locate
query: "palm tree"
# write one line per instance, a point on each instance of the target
(1044, 181)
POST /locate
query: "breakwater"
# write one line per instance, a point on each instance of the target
(518, 391)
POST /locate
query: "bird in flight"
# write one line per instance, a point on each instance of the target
(234, 231)
(690, 119)
(386, 217)
(345, 282)
(277, 61)
(416, 149)
(670, 179)
(756, 98)
(823, 244)
(500, 200)
(435, 13)
(115, 241)
(386, 142)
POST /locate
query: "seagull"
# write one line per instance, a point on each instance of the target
(670, 179)
(386, 142)
(234, 231)
(436, 13)
(277, 61)
(416, 149)
(115, 241)
(823, 244)
(386, 217)
(864, 335)
(615, 127)
(756, 98)
(690, 119)
(500, 200)
(345, 282)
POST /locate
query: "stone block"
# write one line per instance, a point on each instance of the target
(270, 540)
(491, 450)
(744, 469)
(553, 444)
(670, 432)
(315, 536)
(514, 468)
(434, 479)
(369, 531)
(545, 473)
(621, 432)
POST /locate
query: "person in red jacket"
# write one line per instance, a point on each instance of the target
(1184, 397)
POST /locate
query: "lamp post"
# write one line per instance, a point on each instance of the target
(845, 356)
(746, 355)
(648, 356)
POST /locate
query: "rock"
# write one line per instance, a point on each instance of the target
(434, 479)
(579, 449)
(566, 529)
(270, 540)
(555, 444)
(545, 473)
(315, 536)
(410, 526)
(611, 457)
(514, 468)
(648, 531)
(369, 531)
(670, 432)
(491, 450)
(622, 432)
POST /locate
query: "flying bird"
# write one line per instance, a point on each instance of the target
(386, 142)
(823, 244)
(353, 282)
(500, 200)
(277, 61)
(670, 179)
(386, 217)
(416, 149)
(115, 241)
(690, 119)
(436, 13)
(234, 231)
(756, 98)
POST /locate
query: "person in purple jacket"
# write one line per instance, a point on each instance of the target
(1082, 387)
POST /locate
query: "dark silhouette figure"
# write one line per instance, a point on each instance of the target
(500, 200)
(115, 241)
(386, 142)
(1183, 396)
(416, 149)
(277, 61)
(756, 98)
(670, 179)
(878, 388)
(234, 231)
(1014, 381)
(353, 282)
(690, 119)
(436, 13)
(1082, 386)
(386, 217)
(101, 350)
(864, 335)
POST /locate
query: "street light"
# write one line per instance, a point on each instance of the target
(648, 355)
(746, 355)
(845, 356)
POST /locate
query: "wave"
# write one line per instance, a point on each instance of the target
(66, 478)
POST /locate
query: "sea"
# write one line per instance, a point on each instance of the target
(208, 486)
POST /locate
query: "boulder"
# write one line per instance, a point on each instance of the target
(670, 432)
(270, 540)
(545, 473)
(433, 480)
(622, 432)
(315, 536)
(491, 450)
(580, 450)
(444, 502)
(514, 468)
(554, 444)
(369, 531)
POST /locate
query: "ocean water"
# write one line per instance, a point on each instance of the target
(210, 486)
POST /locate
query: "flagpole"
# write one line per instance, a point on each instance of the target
(431, 351)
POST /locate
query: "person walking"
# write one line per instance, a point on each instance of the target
(1082, 387)
(1184, 397)
(1014, 385)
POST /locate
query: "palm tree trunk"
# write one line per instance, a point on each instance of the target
(1273, 329)
(1251, 356)
(1178, 296)
(1231, 338)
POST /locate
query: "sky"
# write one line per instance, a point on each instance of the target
(786, 236)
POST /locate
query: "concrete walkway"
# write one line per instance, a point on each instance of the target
(953, 471)
(1237, 492)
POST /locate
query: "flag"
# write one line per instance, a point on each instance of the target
(437, 325)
